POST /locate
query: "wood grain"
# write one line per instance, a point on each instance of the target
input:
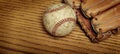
(22, 32)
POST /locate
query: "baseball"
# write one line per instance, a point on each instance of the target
(59, 19)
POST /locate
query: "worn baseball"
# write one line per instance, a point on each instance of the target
(59, 19)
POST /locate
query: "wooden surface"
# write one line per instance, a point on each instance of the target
(21, 31)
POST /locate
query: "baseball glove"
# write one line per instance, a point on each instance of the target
(75, 5)
(92, 8)
(99, 18)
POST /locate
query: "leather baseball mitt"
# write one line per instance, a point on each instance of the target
(94, 7)
(99, 18)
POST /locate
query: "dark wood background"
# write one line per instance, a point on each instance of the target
(22, 32)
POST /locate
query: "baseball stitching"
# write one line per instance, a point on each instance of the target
(59, 23)
(56, 9)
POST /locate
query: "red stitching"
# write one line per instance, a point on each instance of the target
(60, 23)
(56, 9)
